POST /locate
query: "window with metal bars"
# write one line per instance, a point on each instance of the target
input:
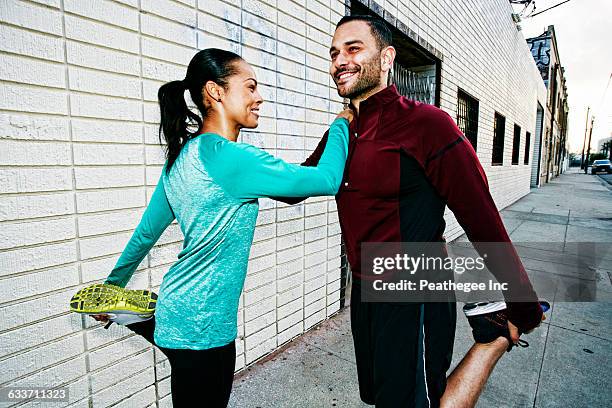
(499, 130)
(467, 116)
(516, 144)
(418, 86)
(527, 146)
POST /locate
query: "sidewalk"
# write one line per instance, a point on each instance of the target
(566, 365)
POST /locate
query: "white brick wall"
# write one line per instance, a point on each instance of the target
(79, 160)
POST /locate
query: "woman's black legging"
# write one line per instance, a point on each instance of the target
(197, 375)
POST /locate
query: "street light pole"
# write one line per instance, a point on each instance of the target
(586, 163)
(586, 130)
(603, 97)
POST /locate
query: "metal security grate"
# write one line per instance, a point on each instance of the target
(516, 144)
(467, 116)
(527, 147)
(415, 85)
(499, 130)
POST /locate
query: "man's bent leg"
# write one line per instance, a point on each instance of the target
(467, 380)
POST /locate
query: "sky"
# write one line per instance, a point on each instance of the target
(584, 39)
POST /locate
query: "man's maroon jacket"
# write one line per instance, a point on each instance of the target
(408, 160)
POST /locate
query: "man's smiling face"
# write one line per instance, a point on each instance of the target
(355, 60)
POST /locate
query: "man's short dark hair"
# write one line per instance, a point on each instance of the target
(382, 34)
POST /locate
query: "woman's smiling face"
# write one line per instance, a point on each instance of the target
(242, 99)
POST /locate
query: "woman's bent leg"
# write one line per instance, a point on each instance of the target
(205, 375)
(202, 375)
(145, 329)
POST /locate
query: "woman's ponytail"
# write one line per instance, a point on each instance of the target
(211, 64)
(175, 119)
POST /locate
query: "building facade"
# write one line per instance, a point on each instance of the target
(554, 154)
(79, 159)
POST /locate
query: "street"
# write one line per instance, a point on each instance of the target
(606, 177)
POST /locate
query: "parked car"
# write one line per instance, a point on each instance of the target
(601, 165)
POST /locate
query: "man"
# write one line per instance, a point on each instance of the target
(406, 162)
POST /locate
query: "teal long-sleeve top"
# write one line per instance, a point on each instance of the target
(212, 190)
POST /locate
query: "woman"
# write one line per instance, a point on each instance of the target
(210, 184)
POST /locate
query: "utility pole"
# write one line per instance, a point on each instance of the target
(586, 164)
(603, 97)
(586, 130)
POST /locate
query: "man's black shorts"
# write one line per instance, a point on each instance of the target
(398, 346)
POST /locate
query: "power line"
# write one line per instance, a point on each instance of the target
(550, 8)
(603, 97)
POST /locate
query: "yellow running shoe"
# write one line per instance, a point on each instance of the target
(101, 298)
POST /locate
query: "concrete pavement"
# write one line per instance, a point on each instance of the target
(566, 365)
